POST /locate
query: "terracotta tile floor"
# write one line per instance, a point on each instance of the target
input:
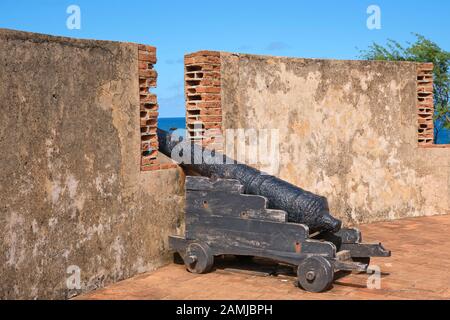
(418, 269)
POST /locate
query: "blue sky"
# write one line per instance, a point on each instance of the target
(299, 28)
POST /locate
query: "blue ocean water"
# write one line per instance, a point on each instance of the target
(444, 137)
(168, 124)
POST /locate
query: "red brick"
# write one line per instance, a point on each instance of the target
(206, 86)
(144, 65)
(147, 57)
(148, 160)
(204, 53)
(210, 97)
(188, 60)
(211, 112)
(208, 90)
(209, 118)
(210, 67)
(211, 125)
(211, 83)
(168, 165)
(212, 75)
(149, 73)
(425, 104)
(151, 167)
(209, 105)
(424, 67)
(145, 146)
(151, 82)
(148, 98)
(210, 60)
(147, 48)
(148, 106)
(154, 114)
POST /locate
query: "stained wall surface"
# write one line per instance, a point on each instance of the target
(72, 197)
(347, 130)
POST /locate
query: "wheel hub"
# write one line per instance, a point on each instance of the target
(198, 258)
(315, 274)
(310, 275)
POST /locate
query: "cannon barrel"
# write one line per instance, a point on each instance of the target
(301, 206)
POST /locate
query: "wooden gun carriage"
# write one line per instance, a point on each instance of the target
(221, 220)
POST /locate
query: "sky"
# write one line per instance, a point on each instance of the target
(297, 28)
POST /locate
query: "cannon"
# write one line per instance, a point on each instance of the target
(230, 210)
(301, 206)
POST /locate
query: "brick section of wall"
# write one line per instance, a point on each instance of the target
(425, 104)
(203, 98)
(150, 161)
(159, 166)
(148, 107)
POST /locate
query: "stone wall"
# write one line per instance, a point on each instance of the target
(348, 130)
(72, 194)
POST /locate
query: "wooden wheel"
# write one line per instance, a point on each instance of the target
(198, 258)
(315, 274)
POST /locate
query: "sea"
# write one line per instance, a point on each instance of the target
(170, 124)
(444, 137)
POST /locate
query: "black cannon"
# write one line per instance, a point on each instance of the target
(301, 206)
(226, 217)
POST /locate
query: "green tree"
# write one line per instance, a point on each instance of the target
(422, 50)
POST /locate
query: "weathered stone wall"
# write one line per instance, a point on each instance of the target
(348, 130)
(71, 189)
